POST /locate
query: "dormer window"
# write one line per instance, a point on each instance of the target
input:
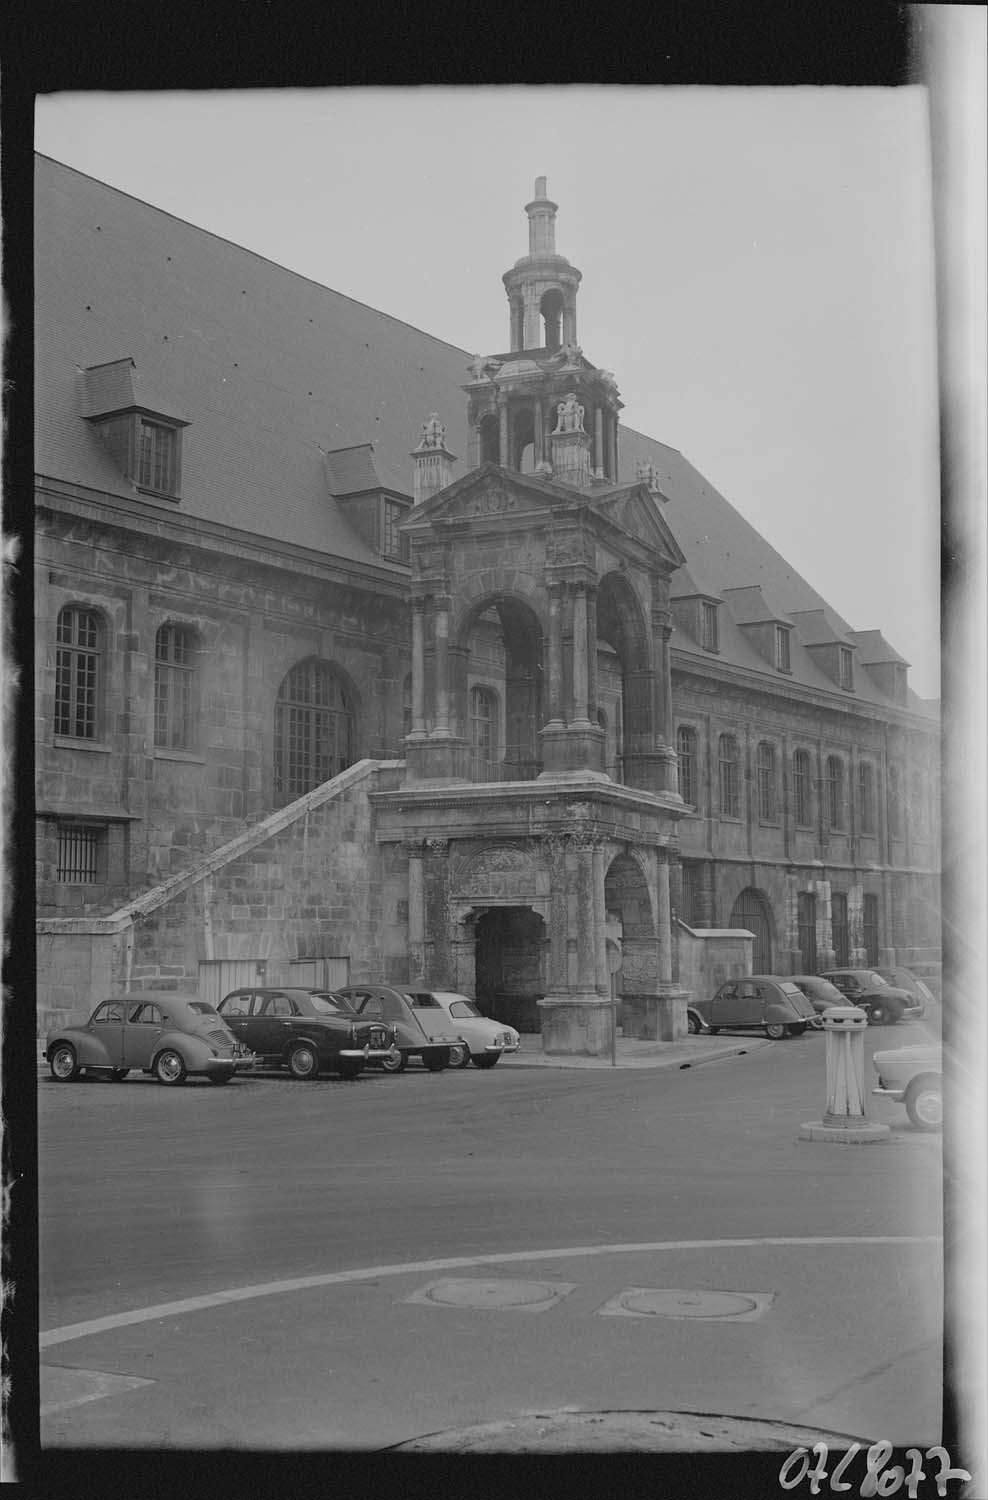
(139, 425)
(845, 667)
(157, 452)
(393, 541)
(783, 654)
(709, 626)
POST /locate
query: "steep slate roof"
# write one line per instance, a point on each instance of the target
(277, 374)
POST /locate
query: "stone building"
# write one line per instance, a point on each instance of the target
(559, 728)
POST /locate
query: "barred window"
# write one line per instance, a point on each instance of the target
(78, 673)
(802, 782)
(686, 746)
(846, 667)
(709, 633)
(156, 457)
(895, 802)
(394, 543)
(81, 854)
(783, 657)
(835, 792)
(840, 930)
(691, 912)
(869, 928)
(315, 729)
(866, 796)
(729, 765)
(766, 783)
(483, 722)
(174, 683)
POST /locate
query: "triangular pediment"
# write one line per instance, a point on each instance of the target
(490, 491)
(633, 511)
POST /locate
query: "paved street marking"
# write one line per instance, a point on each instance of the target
(61, 1388)
(175, 1309)
(500, 1295)
(673, 1302)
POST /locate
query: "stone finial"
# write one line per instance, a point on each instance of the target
(648, 475)
(569, 414)
(540, 187)
(433, 433)
(571, 352)
(432, 461)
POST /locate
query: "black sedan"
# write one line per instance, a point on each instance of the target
(305, 1031)
(884, 1002)
(418, 1033)
(819, 992)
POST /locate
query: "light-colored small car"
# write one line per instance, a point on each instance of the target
(487, 1040)
(913, 1075)
(166, 1034)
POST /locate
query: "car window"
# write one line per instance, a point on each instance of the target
(728, 992)
(144, 1014)
(203, 1008)
(277, 1005)
(750, 991)
(464, 1008)
(424, 1002)
(369, 1005)
(110, 1013)
(236, 1005)
(789, 987)
(326, 1005)
(875, 979)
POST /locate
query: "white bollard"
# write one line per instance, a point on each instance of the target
(845, 1120)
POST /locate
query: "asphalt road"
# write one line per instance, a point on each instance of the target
(474, 1246)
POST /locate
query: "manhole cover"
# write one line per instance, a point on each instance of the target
(679, 1302)
(611, 1431)
(517, 1296)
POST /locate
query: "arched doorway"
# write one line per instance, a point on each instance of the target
(510, 942)
(621, 626)
(628, 907)
(499, 651)
(752, 910)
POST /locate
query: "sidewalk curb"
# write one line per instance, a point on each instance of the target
(646, 1060)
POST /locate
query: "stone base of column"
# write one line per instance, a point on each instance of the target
(672, 1021)
(652, 771)
(572, 748)
(436, 760)
(576, 1025)
(655, 1018)
(852, 1130)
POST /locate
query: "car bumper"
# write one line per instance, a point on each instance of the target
(365, 1054)
(897, 1094)
(500, 1047)
(228, 1065)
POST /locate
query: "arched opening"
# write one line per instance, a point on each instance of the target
(624, 672)
(523, 441)
(510, 944)
(551, 308)
(315, 728)
(499, 650)
(631, 925)
(752, 911)
(490, 440)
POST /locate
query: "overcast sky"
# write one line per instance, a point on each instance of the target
(757, 271)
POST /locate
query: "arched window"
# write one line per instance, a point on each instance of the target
(802, 783)
(174, 685)
(835, 792)
(866, 796)
(490, 440)
(551, 309)
(483, 723)
(315, 729)
(79, 673)
(686, 748)
(729, 767)
(766, 783)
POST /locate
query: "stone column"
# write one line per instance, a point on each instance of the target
(614, 447)
(603, 978)
(502, 413)
(586, 927)
(418, 669)
(598, 442)
(441, 628)
(415, 850)
(538, 439)
(580, 674)
(555, 847)
(555, 674)
(664, 921)
(592, 654)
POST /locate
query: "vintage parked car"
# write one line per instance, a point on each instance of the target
(305, 1030)
(883, 1002)
(762, 1002)
(907, 979)
(820, 993)
(162, 1032)
(426, 1032)
(913, 1074)
(486, 1040)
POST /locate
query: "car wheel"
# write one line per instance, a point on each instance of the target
(776, 1031)
(63, 1063)
(692, 1024)
(349, 1069)
(392, 1064)
(487, 1060)
(303, 1061)
(117, 1075)
(878, 1013)
(169, 1067)
(796, 1030)
(463, 1060)
(924, 1102)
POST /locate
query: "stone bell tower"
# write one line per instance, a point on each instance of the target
(539, 807)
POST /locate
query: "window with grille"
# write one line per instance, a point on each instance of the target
(835, 792)
(174, 681)
(686, 746)
(766, 783)
(866, 796)
(156, 456)
(895, 802)
(315, 729)
(846, 667)
(691, 912)
(806, 916)
(709, 633)
(839, 928)
(81, 854)
(78, 673)
(483, 723)
(802, 786)
(869, 927)
(783, 658)
(394, 543)
(729, 765)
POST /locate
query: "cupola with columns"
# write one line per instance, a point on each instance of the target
(542, 407)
